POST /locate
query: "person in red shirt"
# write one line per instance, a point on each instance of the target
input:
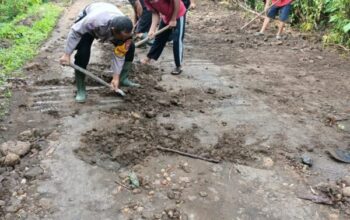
(281, 6)
(172, 14)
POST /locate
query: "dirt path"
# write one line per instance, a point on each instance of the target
(255, 104)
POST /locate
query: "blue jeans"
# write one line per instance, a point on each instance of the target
(284, 12)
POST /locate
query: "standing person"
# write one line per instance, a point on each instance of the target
(189, 5)
(144, 21)
(283, 7)
(172, 14)
(105, 22)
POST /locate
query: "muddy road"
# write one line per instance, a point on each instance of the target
(255, 104)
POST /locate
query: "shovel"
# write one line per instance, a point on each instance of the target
(147, 38)
(101, 81)
(251, 21)
(97, 79)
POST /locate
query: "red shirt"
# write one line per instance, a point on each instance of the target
(165, 8)
(281, 3)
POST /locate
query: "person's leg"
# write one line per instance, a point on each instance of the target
(284, 14)
(178, 34)
(158, 45)
(124, 75)
(82, 58)
(270, 14)
(144, 22)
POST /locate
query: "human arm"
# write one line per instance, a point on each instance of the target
(154, 25)
(172, 22)
(136, 5)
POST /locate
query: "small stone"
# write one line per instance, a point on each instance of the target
(268, 162)
(139, 209)
(151, 114)
(171, 195)
(157, 216)
(151, 193)
(20, 148)
(124, 175)
(137, 191)
(45, 203)
(166, 115)
(33, 172)
(333, 217)
(25, 135)
(11, 159)
(169, 127)
(346, 180)
(346, 191)
(135, 115)
(216, 168)
(21, 214)
(319, 57)
(164, 182)
(184, 179)
(125, 210)
(2, 203)
(305, 159)
(203, 194)
(211, 91)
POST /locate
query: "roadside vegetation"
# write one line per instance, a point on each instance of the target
(24, 25)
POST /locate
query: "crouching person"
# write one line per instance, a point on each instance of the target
(105, 22)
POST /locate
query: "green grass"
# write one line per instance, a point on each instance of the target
(24, 40)
(20, 39)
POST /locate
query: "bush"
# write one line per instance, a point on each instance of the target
(331, 16)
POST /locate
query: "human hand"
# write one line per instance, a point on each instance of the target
(172, 23)
(151, 34)
(115, 82)
(65, 59)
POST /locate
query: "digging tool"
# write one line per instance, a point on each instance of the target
(259, 15)
(147, 38)
(97, 79)
(187, 154)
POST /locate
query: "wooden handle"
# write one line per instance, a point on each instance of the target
(147, 38)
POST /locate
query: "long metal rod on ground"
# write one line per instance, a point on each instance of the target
(188, 155)
(147, 38)
(251, 21)
(98, 79)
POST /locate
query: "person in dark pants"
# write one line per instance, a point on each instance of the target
(172, 13)
(189, 5)
(105, 22)
(144, 22)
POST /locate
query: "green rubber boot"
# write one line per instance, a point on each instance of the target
(124, 76)
(81, 90)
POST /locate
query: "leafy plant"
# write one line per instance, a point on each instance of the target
(329, 16)
(24, 40)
